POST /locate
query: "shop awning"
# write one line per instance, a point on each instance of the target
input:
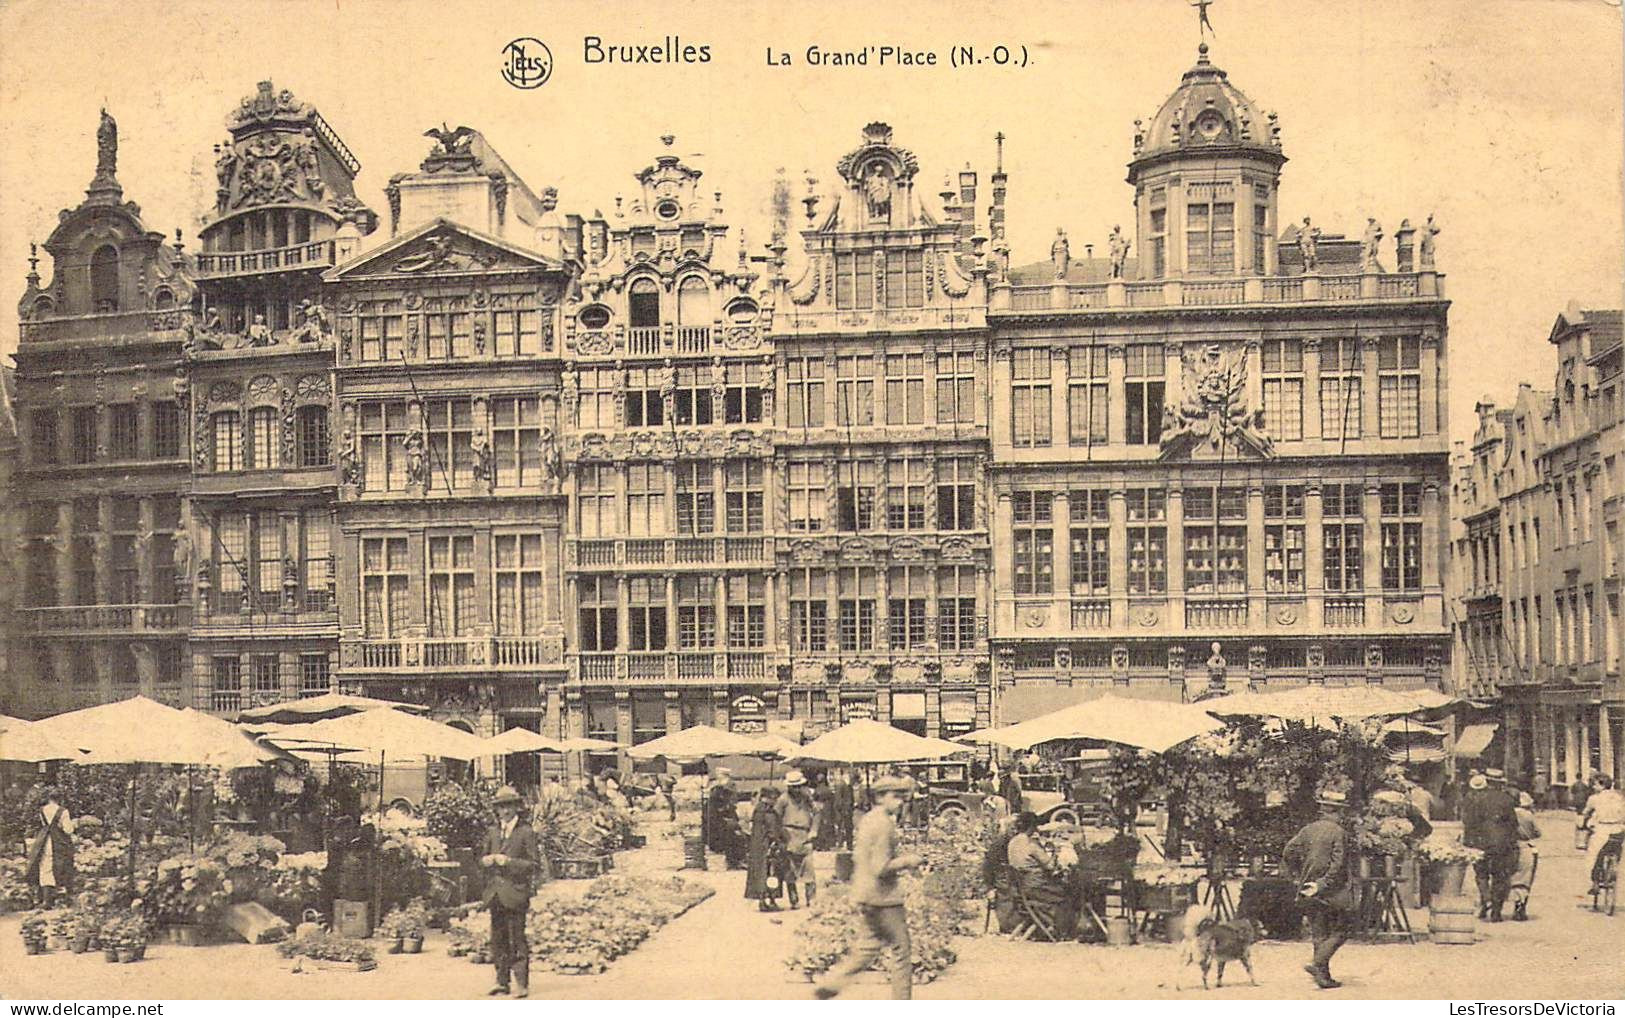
(1474, 740)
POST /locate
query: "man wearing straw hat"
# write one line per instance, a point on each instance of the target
(1317, 856)
(876, 864)
(801, 821)
(1489, 823)
(510, 861)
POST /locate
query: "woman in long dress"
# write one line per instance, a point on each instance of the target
(763, 879)
(50, 856)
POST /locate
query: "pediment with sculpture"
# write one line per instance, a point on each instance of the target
(443, 248)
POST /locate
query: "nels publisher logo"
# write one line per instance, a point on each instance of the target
(527, 63)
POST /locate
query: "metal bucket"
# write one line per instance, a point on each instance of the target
(1119, 932)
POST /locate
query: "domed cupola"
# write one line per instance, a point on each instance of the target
(1205, 172)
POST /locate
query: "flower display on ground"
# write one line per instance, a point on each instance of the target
(327, 946)
(1442, 848)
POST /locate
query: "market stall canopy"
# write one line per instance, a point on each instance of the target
(703, 741)
(397, 734)
(23, 742)
(139, 730)
(1474, 740)
(523, 740)
(777, 745)
(1410, 726)
(326, 705)
(1154, 725)
(582, 744)
(1309, 703)
(868, 741)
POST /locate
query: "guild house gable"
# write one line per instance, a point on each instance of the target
(441, 248)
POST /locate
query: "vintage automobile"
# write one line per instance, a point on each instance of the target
(1070, 794)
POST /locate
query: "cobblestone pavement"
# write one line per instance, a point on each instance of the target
(724, 948)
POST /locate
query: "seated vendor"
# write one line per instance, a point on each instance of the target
(996, 871)
(1046, 885)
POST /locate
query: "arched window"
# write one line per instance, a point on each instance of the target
(693, 302)
(643, 305)
(163, 299)
(742, 311)
(104, 279)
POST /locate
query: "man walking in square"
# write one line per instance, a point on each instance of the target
(510, 861)
(1317, 858)
(1489, 823)
(876, 864)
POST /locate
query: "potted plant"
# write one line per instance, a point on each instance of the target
(1450, 859)
(134, 943)
(83, 930)
(416, 919)
(111, 932)
(392, 929)
(33, 933)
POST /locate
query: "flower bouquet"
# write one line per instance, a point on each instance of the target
(294, 884)
(324, 945)
(1440, 848)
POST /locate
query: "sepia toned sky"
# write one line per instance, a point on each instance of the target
(1501, 117)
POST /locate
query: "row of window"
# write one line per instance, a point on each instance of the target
(610, 398)
(80, 658)
(449, 335)
(1215, 540)
(853, 597)
(258, 446)
(517, 567)
(125, 440)
(122, 560)
(251, 554)
(264, 677)
(868, 389)
(1578, 635)
(1211, 231)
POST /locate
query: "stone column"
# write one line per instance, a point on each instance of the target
(1059, 360)
(1311, 389)
(1116, 401)
(1117, 556)
(1254, 354)
(669, 472)
(623, 604)
(1314, 554)
(770, 609)
(1432, 573)
(623, 716)
(671, 612)
(145, 565)
(1605, 740)
(1369, 345)
(63, 543)
(1061, 522)
(1257, 604)
(1583, 764)
(1176, 558)
(999, 386)
(1004, 564)
(104, 550)
(721, 594)
(674, 710)
(1371, 565)
(830, 402)
(1430, 382)
(1571, 747)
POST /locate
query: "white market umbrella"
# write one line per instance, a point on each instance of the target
(326, 705)
(1310, 703)
(139, 730)
(523, 740)
(702, 741)
(394, 733)
(1155, 725)
(870, 742)
(23, 742)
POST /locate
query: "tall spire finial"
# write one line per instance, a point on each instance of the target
(998, 142)
(1203, 25)
(33, 263)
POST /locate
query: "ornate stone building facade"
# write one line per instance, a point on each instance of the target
(103, 474)
(258, 562)
(1218, 464)
(882, 562)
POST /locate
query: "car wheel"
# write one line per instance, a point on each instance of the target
(1064, 815)
(404, 806)
(951, 808)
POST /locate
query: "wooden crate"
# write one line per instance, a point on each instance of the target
(583, 867)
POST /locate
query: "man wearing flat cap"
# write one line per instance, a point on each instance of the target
(876, 864)
(510, 861)
(1318, 858)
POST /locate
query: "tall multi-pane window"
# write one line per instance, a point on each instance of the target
(854, 390)
(1091, 543)
(231, 560)
(696, 612)
(42, 425)
(905, 388)
(1283, 389)
(1283, 539)
(956, 494)
(267, 674)
(315, 527)
(742, 480)
(1034, 541)
(907, 590)
(956, 387)
(1030, 397)
(166, 429)
(855, 603)
(383, 334)
(451, 585)
(596, 612)
(268, 560)
(227, 429)
(809, 610)
(1402, 536)
(447, 335)
(906, 481)
(314, 674)
(1215, 540)
(595, 406)
(696, 497)
(1399, 387)
(517, 568)
(262, 442)
(311, 437)
(450, 427)
(645, 499)
(516, 441)
(854, 281)
(1143, 390)
(384, 428)
(515, 333)
(646, 613)
(905, 279)
(228, 683)
(692, 399)
(595, 500)
(746, 596)
(1157, 240)
(126, 525)
(1210, 237)
(124, 441)
(855, 495)
(956, 607)
(1340, 389)
(1147, 541)
(742, 393)
(386, 579)
(804, 392)
(808, 497)
(1086, 398)
(85, 438)
(644, 405)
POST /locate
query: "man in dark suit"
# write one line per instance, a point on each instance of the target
(510, 862)
(1317, 858)
(1489, 823)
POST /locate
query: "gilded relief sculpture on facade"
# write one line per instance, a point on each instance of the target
(1213, 407)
